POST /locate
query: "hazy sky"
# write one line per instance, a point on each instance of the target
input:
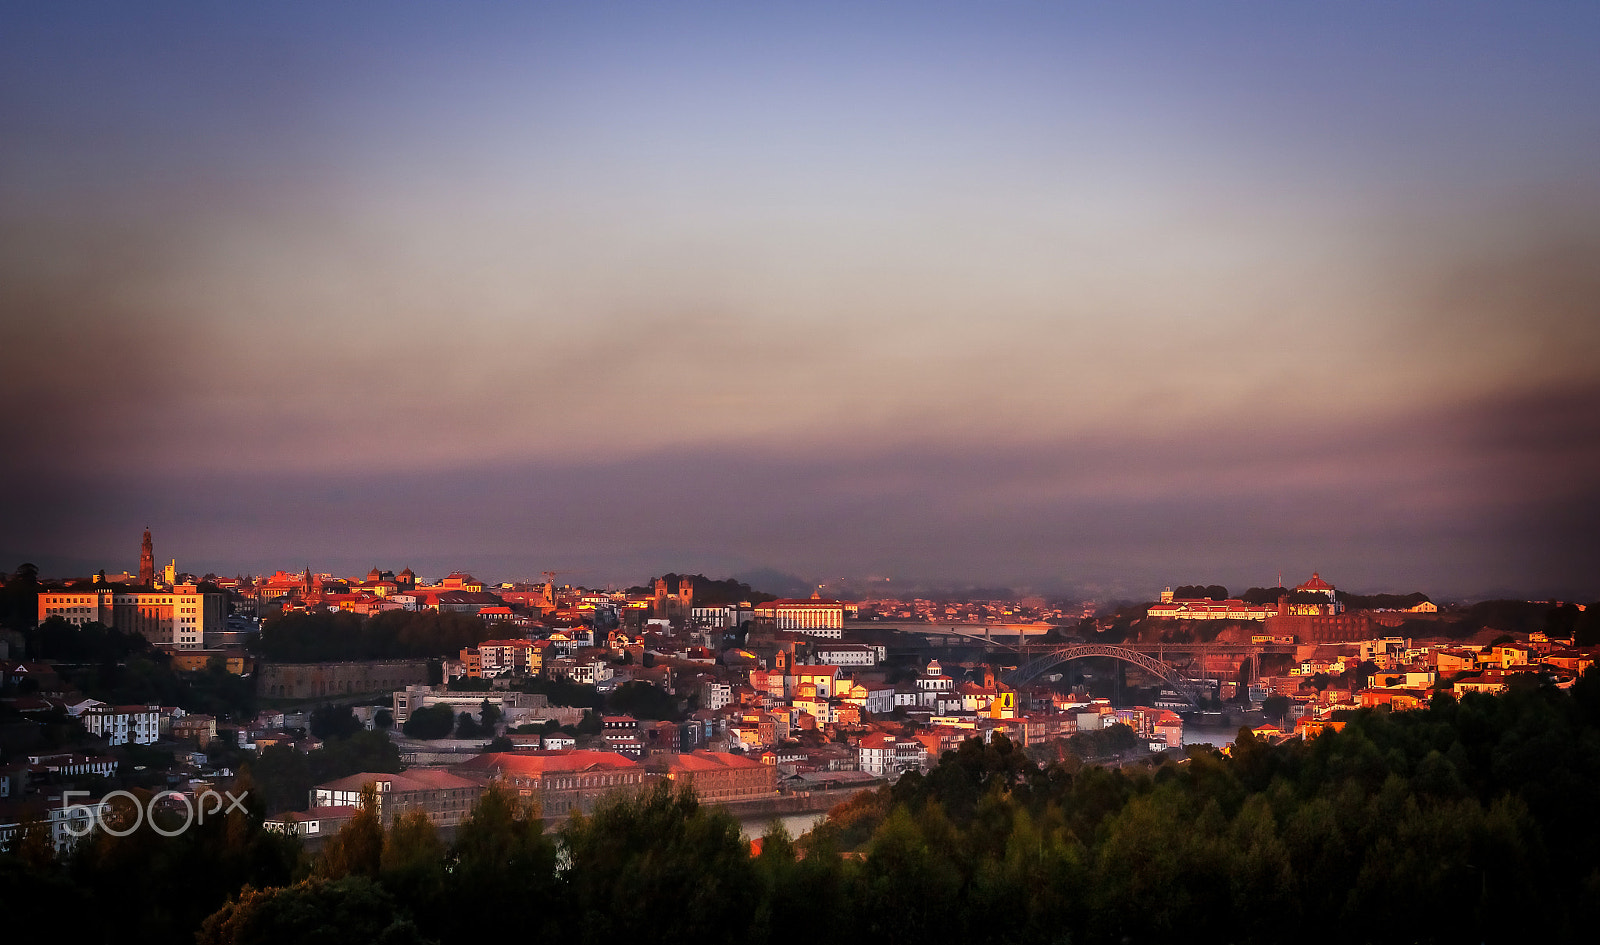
(1079, 296)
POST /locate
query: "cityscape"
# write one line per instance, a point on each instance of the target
(728, 473)
(321, 706)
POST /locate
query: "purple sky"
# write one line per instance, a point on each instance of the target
(1089, 300)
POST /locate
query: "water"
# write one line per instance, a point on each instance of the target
(796, 824)
(1217, 736)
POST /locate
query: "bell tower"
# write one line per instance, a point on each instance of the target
(147, 561)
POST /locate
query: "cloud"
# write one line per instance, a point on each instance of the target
(1495, 497)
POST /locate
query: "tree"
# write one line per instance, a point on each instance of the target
(1276, 707)
(489, 716)
(429, 722)
(314, 912)
(467, 726)
(642, 700)
(283, 777)
(501, 854)
(356, 850)
(413, 867)
(383, 719)
(638, 858)
(334, 721)
(363, 751)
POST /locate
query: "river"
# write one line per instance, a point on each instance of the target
(1218, 736)
(796, 824)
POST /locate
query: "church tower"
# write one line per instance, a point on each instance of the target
(147, 561)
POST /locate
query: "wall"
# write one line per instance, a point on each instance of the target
(313, 680)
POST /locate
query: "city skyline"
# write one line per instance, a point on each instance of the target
(1080, 300)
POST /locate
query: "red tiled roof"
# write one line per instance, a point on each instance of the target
(538, 763)
(1315, 584)
(710, 761)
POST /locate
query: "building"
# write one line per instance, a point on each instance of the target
(123, 724)
(721, 617)
(1205, 609)
(515, 708)
(200, 729)
(314, 823)
(718, 776)
(851, 654)
(714, 695)
(312, 680)
(825, 679)
(445, 797)
(876, 755)
(559, 781)
(147, 561)
(887, 756)
(815, 617)
(178, 617)
(1316, 585)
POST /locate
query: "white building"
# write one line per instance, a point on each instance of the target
(123, 724)
(815, 617)
(715, 695)
(888, 757)
(851, 654)
(723, 617)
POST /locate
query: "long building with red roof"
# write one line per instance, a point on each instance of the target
(560, 781)
(718, 776)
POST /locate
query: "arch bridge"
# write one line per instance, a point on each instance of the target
(1038, 666)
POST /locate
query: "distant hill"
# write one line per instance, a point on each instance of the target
(776, 583)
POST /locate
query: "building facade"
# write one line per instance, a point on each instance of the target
(311, 680)
(178, 617)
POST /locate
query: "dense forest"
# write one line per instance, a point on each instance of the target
(1469, 821)
(393, 634)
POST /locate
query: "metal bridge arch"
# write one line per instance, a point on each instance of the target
(1036, 667)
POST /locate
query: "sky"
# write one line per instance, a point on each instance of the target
(1078, 298)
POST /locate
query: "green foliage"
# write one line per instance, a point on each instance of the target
(92, 642)
(146, 677)
(563, 692)
(1276, 707)
(1094, 745)
(643, 700)
(490, 716)
(468, 727)
(501, 854)
(1382, 601)
(1264, 595)
(313, 912)
(393, 634)
(334, 721)
(687, 862)
(19, 598)
(357, 849)
(130, 880)
(434, 721)
(284, 777)
(1200, 592)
